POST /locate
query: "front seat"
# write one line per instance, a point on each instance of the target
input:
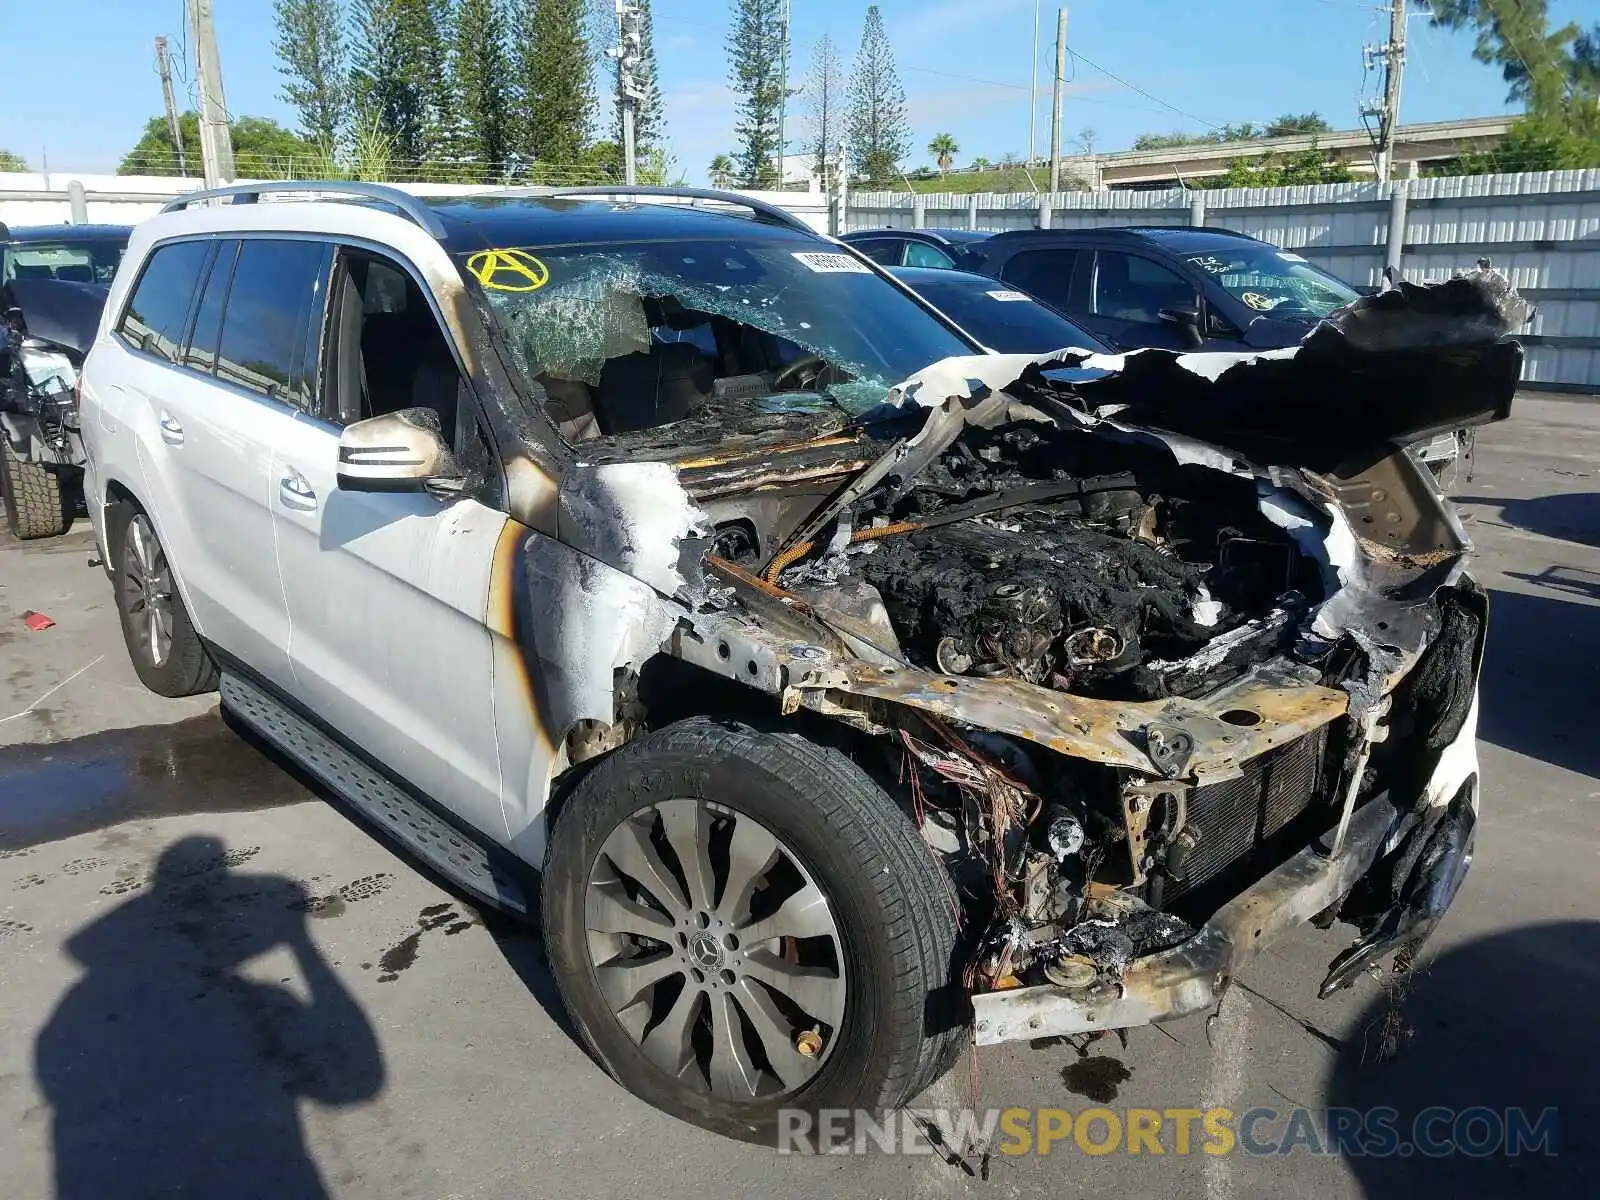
(644, 390)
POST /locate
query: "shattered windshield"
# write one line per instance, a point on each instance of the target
(1275, 281)
(631, 336)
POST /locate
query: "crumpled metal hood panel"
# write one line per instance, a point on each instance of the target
(1392, 368)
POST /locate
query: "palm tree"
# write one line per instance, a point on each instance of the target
(944, 150)
(722, 171)
(981, 164)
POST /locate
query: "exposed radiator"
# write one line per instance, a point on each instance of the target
(1233, 818)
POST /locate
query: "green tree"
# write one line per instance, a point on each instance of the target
(880, 134)
(1515, 36)
(12, 162)
(312, 59)
(1308, 166)
(1293, 123)
(553, 97)
(1285, 126)
(1556, 76)
(262, 149)
(648, 122)
(722, 171)
(981, 164)
(824, 99)
(479, 78)
(397, 75)
(755, 56)
(944, 149)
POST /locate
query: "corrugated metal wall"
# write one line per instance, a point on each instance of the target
(1541, 228)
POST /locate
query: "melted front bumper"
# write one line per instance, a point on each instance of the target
(1190, 978)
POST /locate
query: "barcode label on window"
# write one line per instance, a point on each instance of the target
(824, 263)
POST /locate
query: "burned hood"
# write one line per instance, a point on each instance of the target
(62, 312)
(1391, 368)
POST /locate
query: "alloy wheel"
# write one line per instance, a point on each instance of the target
(148, 588)
(715, 950)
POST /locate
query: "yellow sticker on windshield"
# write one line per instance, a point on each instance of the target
(508, 270)
(1259, 302)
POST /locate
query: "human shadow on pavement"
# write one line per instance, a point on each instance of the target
(1540, 687)
(1569, 516)
(168, 1071)
(1503, 1022)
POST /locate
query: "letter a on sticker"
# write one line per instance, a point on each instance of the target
(508, 270)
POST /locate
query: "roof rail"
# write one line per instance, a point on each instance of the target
(770, 214)
(248, 193)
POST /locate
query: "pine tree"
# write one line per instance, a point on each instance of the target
(755, 48)
(648, 122)
(480, 73)
(311, 57)
(382, 102)
(824, 96)
(554, 98)
(399, 76)
(880, 135)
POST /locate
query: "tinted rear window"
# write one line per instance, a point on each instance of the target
(1007, 320)
(202, 352)
(154, 319)
(276, 284)
(1045, 273)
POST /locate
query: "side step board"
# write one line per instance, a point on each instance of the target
(457, 857)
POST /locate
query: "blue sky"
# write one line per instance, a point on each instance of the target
(79, 80)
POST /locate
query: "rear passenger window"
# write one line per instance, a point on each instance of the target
(202, 351)
(1047, 274)
(276, 286)
(920, 254)
(886, 251)
(154, 319)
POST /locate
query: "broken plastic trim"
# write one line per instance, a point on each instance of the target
(1191, 977)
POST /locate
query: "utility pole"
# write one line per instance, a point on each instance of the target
(629, 55)
(164, 66)
(216, 147)
(1033, 90)
(783, 96)
(1393, 56)
(1061, 83)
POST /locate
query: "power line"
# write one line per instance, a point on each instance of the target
(1076, 54)
(1022, 87)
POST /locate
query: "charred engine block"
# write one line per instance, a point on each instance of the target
(1068, 561)
(1033, 594)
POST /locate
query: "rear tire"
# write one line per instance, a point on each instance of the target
(838, 840)
(35, 499)
(167, 653)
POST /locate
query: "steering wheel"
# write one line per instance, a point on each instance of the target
(806, 362)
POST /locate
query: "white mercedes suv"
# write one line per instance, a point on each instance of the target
(831, 692)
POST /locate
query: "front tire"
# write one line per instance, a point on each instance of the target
(167, 653)
(35, 500)
(742, 922)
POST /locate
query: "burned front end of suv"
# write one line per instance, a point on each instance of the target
(1164, 654)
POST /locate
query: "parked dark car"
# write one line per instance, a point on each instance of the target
(54, 280)
(1003, 319)
(1179, 288)
(915, 247)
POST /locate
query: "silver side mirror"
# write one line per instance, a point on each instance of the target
(402, 451)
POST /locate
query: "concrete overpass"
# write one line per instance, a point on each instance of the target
(1416, 147)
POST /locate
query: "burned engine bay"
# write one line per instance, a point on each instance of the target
(1053, 555)
(1119, 660)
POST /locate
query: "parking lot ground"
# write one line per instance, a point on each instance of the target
(213, 983)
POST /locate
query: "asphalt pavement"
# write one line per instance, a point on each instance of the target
(213, 983)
